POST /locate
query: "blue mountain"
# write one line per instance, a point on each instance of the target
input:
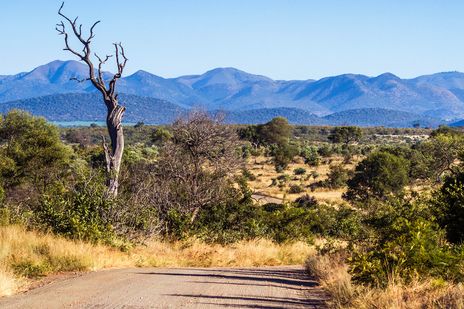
(436, 97)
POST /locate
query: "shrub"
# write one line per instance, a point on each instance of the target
(405, 243)
(345, 135)
(448, 207)
(306, 201)
(310, 155)
(295, 189)
(299, 171)
(379, 175)
(337, 177)
(80, 213)
(283, 155)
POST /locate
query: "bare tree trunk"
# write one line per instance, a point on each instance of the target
(108, 90)
(114, 158)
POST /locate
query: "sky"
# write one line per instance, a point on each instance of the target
(282, 39)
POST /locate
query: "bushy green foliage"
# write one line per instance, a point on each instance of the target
(441, 152)
(378, 176)
(310, 155)
(283, 155)
(337, 177)
(80, 213)
(32, 151)
(345, 135)
(277, 131)
(230, 222)
(299, 171)
(306, 201)
(404, 242)
(448, 207)
(295, 189)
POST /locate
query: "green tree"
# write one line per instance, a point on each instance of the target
(448, 206)
(345, 135)
(337, 177)
(277, 131)
(283, 155)
(377, 176)
(442, 152)
(31, 151)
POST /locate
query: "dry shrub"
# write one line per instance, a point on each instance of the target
(8, 282)
(27, 255)
(194, 253)
(415, 295)
(332, 273)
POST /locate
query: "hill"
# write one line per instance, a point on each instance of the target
(429, 97)
(89, 107)
(381, 117)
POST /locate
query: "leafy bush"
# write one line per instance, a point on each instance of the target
(299, 171)
(379, 175)
(230, 222)
(448, 206)
(405, 243)
(310, 155)
(306, 201)
(345, 135)
(80, 213)
(337, 177)
(295, 189)
(283, 155)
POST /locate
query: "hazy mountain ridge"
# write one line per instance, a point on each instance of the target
(436, 96)
(88, 107)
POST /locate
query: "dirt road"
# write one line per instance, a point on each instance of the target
(270, 287)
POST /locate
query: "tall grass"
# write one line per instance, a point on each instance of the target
(333, 276)
(26, 256)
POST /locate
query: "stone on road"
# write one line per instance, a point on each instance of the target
(267, 287)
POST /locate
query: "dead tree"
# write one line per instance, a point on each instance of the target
(115, 111)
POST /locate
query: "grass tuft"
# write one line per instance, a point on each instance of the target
(332, 273)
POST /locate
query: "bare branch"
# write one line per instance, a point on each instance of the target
(119, 52)
(115, 111)
(100, 64)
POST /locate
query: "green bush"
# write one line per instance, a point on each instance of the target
(337, 177)
(379, 175)
(295, 189)
(30, 269)
(448, 206)
(405, 242)
(299, 171)
(230, 222)
(306, 201)
(283, 155)
(80, 213)
(310, 155)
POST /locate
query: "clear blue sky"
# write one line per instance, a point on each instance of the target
(283, 39)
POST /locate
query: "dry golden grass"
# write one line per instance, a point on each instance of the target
(263, 169)
(333, 276)
(26, 255)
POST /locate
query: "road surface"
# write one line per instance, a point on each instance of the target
(269, 287)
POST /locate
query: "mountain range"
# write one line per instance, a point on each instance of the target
(385, 100)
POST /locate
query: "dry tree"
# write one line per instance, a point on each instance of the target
(115, 111)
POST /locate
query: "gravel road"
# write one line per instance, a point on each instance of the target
(269, 287)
